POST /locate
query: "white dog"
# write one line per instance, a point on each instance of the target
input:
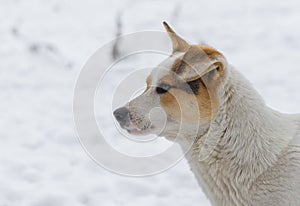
(242, 152)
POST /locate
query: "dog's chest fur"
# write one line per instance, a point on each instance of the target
(256, 156)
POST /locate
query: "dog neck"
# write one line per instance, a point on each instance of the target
(244, 139)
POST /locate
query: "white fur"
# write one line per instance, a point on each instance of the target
(256, 160)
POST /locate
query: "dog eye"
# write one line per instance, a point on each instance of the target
(163, 88)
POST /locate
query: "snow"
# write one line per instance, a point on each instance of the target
(44, 45)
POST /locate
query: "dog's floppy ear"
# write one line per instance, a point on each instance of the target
(200, 61)
(179, 44)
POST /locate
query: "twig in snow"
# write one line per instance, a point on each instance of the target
(116, 49)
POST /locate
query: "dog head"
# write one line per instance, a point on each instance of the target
(185, 87)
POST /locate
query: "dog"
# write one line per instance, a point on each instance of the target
(241, 151)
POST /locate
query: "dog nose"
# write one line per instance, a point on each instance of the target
(122, 115)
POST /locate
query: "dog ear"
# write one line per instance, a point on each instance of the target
(179, 44)
(200, 62)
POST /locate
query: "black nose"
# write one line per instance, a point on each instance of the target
(122, 115)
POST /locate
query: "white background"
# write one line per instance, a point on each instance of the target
(44, 44)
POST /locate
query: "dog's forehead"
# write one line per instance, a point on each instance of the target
(165, 67)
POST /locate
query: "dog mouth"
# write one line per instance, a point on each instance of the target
(135, 129)
(133, 123)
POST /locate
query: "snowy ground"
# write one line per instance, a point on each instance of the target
(44, 44)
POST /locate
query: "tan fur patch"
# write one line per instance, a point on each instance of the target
(148, 82)
(196, 56)
(211, 52)
(180, 104)
(187, 107)
(176, 64)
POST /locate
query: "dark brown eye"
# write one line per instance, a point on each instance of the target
(163, 88)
